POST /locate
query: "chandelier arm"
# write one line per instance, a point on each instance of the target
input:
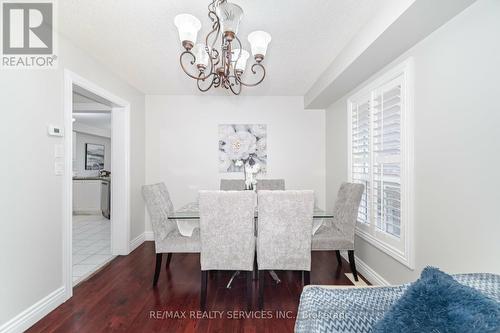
(211, 7)
(198, 82)
(217, 81)
(216, 57)
(238, 77)
(212, 52)
(231, 85)
(215, 29)
(191, 62)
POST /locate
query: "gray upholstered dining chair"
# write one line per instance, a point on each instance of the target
(166, 235)
(284, 239)
(338, 234)
(271, 184)
(232, 184)
(227, 235)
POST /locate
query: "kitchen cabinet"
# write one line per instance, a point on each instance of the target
(86, 196)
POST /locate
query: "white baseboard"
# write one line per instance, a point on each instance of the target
(34, 313)
(136, 242)
(149, 236)
(368, 273)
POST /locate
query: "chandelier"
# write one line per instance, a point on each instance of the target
(224, 66)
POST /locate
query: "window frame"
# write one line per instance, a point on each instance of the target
(401, 248)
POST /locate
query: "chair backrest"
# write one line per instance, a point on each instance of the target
(345, 212)
(232, 184)
(271, 184)
(159, 207)
(285, 225)
(227, 230)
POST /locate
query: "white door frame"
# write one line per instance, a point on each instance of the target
(120, 186)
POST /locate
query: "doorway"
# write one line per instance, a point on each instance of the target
(92, 180)
(97, 178)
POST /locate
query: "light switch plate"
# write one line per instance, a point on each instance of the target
(58, 150)
(59, 167)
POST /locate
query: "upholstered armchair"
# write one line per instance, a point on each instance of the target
(166, 235)
(338, 234)
(227, 235)
(271, 184)
(284, 238)
(232, 184)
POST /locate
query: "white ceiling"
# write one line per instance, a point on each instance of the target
(100, 120)
(96, 119)
(138, 41)
(77, 98)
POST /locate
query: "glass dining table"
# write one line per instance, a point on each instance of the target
(188, 216)
(192, 212)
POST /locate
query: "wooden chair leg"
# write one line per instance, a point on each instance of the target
(159, 257)
(261, 289)
(353, 264)
(169, 257)
(203, 292)
(339, 258)
(306, 275)
(249, 290)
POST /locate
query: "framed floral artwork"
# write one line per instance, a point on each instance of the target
(241, 145)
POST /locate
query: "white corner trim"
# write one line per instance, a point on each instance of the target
(34, 313)
(368, 273)
(136, 242)
(149, 236)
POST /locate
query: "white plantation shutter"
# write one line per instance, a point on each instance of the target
(360, 150)
(378, 158)
(387, 158)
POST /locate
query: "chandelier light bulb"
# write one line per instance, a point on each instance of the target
(201, 55)
(239, 59)
(188, 27)
(230, 16)
(259, 40)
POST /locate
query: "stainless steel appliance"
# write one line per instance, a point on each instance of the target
(106, 198)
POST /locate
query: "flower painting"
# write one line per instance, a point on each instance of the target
(240, 145)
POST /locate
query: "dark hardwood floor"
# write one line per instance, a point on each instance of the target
(120, 297)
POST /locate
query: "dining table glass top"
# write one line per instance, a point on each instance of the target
(192, 212)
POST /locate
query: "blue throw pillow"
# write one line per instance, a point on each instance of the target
(437, 303)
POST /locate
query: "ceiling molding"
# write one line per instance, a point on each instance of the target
(379, 43)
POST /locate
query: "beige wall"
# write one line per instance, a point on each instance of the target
(457, 145)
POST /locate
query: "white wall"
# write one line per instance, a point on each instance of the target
(79, 157)
(457, 145)
(31, 196)
(182, 141)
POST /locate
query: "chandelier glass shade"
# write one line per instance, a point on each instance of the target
(220, 60)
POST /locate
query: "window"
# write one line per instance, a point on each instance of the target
(381, 157)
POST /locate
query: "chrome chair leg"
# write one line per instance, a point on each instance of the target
(275, 277)
(235, 274)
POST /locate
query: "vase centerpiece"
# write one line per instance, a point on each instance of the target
(250, 168)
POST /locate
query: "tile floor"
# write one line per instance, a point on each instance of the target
(91, 245)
